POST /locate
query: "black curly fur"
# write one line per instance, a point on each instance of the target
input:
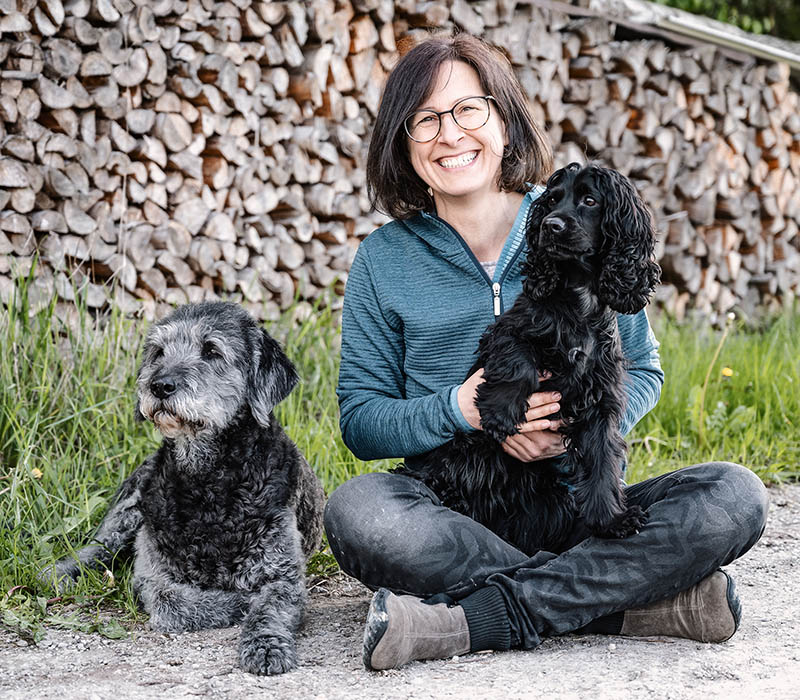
(590, 248)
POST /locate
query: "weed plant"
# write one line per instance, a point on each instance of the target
(68, 435)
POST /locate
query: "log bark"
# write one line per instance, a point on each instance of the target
(193, 149)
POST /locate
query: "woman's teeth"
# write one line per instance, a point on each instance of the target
(459, 161)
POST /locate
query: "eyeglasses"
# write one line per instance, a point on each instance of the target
(470, 113)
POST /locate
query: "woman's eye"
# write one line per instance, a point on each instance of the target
(426, 119)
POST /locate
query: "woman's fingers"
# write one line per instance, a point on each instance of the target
(532, 426)
(533, 446)
(542, 404)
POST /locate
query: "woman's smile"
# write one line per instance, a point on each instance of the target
(459, 161)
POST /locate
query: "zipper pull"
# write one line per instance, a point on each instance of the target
(496, 292)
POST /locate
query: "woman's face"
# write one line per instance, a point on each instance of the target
(459, 163)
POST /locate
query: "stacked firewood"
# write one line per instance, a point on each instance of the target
(157, 152)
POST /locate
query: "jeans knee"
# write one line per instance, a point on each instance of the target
(341, 507)
(364, 517)
(753, 496)
(745, 497)
(347, 506)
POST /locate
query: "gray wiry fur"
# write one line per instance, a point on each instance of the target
(223, 516)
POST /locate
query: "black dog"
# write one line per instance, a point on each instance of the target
(590, 248)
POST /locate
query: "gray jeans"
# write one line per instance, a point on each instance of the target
(391, 531)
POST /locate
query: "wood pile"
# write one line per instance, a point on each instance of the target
(154, 152)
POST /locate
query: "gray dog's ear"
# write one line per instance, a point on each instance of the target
(272, 379)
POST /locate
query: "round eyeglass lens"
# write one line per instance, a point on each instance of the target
(423, 125)
(471, 113)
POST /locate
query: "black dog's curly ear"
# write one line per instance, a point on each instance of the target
(628, 274)
(541, 275)
(272, 378)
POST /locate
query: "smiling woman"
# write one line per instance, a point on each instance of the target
(415, 84)
(460, 164)
(456, 159)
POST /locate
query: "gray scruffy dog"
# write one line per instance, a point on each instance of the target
(223, 516)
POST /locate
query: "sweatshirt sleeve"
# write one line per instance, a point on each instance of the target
(645, 376)
(376, 419)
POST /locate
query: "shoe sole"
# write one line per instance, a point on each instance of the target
(734, 603)
(376, 626)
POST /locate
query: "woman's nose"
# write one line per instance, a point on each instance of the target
(450, 132)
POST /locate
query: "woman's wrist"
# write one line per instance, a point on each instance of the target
(465, 397)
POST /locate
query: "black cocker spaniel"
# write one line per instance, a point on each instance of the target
(590, 255)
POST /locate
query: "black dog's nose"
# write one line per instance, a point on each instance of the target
(163, 387)
(554, 225)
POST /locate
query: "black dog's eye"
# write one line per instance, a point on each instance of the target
(210, 351)
(590, 201)
(551, 201)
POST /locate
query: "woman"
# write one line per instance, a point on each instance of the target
(452, 150)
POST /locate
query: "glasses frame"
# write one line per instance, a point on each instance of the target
(452, 113)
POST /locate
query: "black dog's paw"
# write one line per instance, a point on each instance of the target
(498, 427)
(268, 655)
(502, 408)
(629, 523)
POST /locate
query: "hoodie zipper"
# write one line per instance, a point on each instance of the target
(496, 287)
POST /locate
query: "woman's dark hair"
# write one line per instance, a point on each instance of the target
(392, 184)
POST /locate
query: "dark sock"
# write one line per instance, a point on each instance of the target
(487, 619)
(608, 624)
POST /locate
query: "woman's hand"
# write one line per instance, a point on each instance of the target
(537, 439)
(466, 395)
(538, 436)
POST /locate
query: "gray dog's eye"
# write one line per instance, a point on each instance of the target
(210, 351)
(156, 352)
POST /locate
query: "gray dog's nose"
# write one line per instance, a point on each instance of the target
(163, 387)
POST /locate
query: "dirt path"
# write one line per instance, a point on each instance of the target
(762, 659)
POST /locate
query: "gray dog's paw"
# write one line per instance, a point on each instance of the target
(169, 616)
(59, 577)
(268, 655)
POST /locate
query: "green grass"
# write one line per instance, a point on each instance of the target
(751, 416)
(68, 435)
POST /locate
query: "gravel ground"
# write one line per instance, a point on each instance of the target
(762, 659)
